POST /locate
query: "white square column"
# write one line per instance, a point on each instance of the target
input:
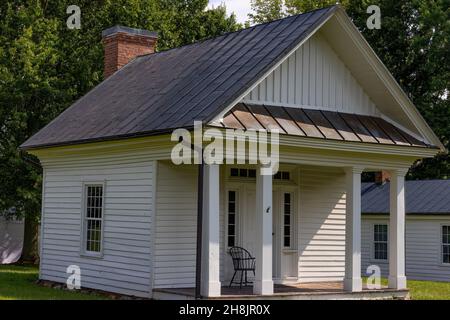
(397, 278)
(210, 282)
(263, 283)
(352, 280)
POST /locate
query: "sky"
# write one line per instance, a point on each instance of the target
(240, 7)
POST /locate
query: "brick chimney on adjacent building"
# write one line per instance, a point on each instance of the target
(122, 44)
(382, 177)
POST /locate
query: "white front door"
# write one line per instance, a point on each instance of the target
(248, 219)
(285, 263)
(284, 216)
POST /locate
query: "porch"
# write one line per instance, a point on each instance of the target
(300, 291)
(304, 231)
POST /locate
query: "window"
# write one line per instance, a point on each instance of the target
(446, 244)
(243, 173)
(380, 240)
(93, 218)
(251, 173)
(231, 226)
(287, 221)
(282, 175)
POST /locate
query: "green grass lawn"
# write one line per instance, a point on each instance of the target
(426, 290)
(19, 283)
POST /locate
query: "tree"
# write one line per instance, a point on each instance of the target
(266, 10)
(300, 6)
(413, 44)
(45, 67)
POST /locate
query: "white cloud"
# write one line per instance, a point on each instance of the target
(240, 7)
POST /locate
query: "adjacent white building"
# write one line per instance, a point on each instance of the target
(427, 239)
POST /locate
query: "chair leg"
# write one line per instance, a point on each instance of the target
(232, 279)
(246, 279)
(242, 274)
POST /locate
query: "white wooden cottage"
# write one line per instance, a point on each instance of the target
(115, 204)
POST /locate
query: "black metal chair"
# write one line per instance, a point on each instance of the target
(243, 262)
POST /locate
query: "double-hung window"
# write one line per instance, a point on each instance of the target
(380, 241)
(93, 218)
(446, 244)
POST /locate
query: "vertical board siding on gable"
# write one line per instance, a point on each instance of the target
(314, 77)
(321, 224)
(176, 226)
(126, 263)
(423, 248)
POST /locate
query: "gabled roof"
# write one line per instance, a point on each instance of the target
(421, 197)
(317, 124)
(160, 92)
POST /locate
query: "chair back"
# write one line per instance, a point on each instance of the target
(242, 259)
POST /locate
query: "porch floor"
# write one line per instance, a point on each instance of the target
(297, 291)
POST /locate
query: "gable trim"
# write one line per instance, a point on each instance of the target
(377, 65)
(386, 77)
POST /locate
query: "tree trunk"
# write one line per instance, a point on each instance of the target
(30, 252)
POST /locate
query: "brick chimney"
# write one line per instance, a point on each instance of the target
(122, 44)
(382, 177)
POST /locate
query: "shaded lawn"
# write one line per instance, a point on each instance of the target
(19, 283)
(426, 290)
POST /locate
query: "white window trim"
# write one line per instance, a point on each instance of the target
(372, 242)
(441, 245)
(83, 251)
(237, 217)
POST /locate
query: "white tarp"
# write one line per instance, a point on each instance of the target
(11, 240)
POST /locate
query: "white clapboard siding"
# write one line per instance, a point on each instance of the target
(313, 77)
(176, 226)
(423, 247)
(125, 266)
(321, 224)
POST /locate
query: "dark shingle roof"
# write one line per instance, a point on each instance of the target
(421, 197)
(160, 92)
(317, 124)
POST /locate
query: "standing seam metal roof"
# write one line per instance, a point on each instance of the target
(159, 92)
(316, 124)
(421, 197)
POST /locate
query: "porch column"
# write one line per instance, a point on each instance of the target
(352, 281)
(263, 284)
(210, 285)
(397, 278)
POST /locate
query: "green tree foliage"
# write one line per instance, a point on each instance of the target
(266, 10)
(413, 43)
(300, 6)
(44, 67)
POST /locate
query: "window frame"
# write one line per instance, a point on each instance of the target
(441, 244)
(236, 217)
(83, 242)
(373, 255)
